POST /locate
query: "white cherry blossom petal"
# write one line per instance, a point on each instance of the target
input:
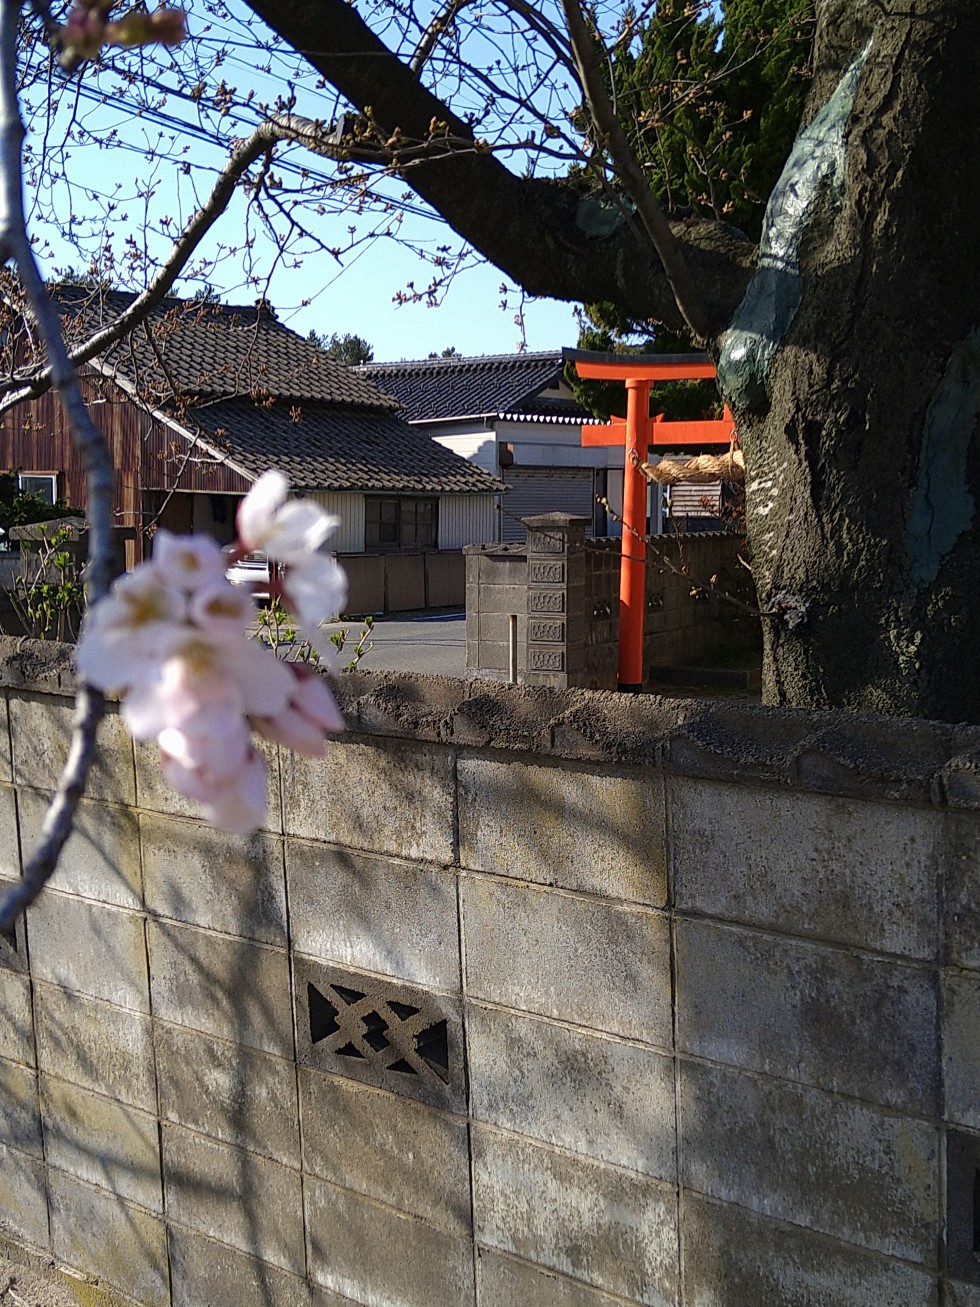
(187, 562)
(125, 636)
(313, 699)
(214, 742)
(315, 590)
(257, 510)
(293, 731)
(222, 610)
(238, 806)
(283, 529)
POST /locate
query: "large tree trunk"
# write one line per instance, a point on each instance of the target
(853, 365)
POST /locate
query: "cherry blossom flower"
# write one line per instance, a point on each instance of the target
(290, 532)
(171, 637)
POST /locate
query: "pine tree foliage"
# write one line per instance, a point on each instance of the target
(710, 95)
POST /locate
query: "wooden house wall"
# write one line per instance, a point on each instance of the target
(148, 455)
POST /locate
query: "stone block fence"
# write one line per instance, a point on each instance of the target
(547, 612)
(524, 998)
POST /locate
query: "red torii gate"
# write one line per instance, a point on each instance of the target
(639, 372)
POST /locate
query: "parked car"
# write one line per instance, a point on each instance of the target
(251, 571)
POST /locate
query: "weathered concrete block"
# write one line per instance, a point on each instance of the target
(371, 1254)
(812, 865)
(587, 1093)
(381, 1032)
(961, 1049)
(581, 960)
(156, 795)
(102, 1142)
(204, 1271)
(96, 1232)
(388, 1148)
(394, 918)
(494, 655)
(13, 945)
(962, 1169)
(229, 1092)
(208, 878)
(960, 1294)
(6, 760)
(40, 728)
(862, 1026)
(502, 598)
(23, 1197)
(16, 1021)
(598, 833)
(20, 1116)
(95, 1045)
(102, 857)
(227, 987)
(962, 907)
(90, 948)
(811, 1158)
(611, 1229)
(507, 1281)
(9, 840)
(235, 1197)
(495, 627)
(404, 798)
(735, 1259)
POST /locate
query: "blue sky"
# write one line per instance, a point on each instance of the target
(474, 315)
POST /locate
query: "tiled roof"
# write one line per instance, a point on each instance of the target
(268, 398)
(216, 351)
(490, 385)
(329, 448)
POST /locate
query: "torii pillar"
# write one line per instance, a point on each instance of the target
(638, 372)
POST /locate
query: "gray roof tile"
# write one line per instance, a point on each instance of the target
(486, 386)
(268, 398)
(217, 350)
(329, 448)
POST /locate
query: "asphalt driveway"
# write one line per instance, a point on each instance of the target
(432, 642)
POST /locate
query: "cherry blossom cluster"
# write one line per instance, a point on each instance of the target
(170, 638)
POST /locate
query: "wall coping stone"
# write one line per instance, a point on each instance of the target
(856, 755)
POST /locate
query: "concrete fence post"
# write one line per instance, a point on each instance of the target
(556, 619)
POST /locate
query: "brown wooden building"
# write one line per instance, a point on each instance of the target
(209, 396)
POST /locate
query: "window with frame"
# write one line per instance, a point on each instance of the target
(400, 522)
(42, 484)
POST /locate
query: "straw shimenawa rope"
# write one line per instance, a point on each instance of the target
(704, 468)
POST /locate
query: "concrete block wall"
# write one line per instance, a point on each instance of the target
(557, 596)
(524, 998)
(401, 582)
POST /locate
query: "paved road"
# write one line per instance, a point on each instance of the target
(421, 642)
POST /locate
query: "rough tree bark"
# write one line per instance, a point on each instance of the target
(852, 359)
(858, 412)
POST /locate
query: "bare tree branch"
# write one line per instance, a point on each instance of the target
(265, 137)
(14, 244)
(631, 175)
(537, 230)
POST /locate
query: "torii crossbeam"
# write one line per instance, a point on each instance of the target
(639, 372)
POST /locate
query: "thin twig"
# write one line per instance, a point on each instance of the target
(630, 173)
(671, 566)
(89, 703)
(264, 138)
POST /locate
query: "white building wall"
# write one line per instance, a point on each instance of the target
(468, 520)
(477, 445)
(349, 536)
